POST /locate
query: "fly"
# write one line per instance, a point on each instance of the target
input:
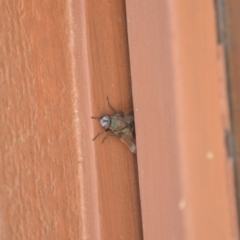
(121, 125)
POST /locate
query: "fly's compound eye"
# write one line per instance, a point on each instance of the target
(105, 122)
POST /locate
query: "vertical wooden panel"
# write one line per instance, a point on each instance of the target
(119, 205)
(186, 180)
(59, 62)
(40, 197)
(233, 47)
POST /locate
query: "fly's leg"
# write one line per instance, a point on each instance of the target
(100, 133)
(111, 106)
(110, 135)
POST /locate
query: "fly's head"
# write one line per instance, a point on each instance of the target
(105, 122)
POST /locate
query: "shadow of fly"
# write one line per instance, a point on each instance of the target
(120, 125)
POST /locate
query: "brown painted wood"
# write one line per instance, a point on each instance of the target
(59, 61)
(186, 179)
(233, 47)
(40, 189)
(116, 166)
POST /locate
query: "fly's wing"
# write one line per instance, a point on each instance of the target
(130, 141)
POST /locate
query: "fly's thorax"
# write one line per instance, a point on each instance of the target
(117, 123)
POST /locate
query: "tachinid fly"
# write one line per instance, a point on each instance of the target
(121, 125)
